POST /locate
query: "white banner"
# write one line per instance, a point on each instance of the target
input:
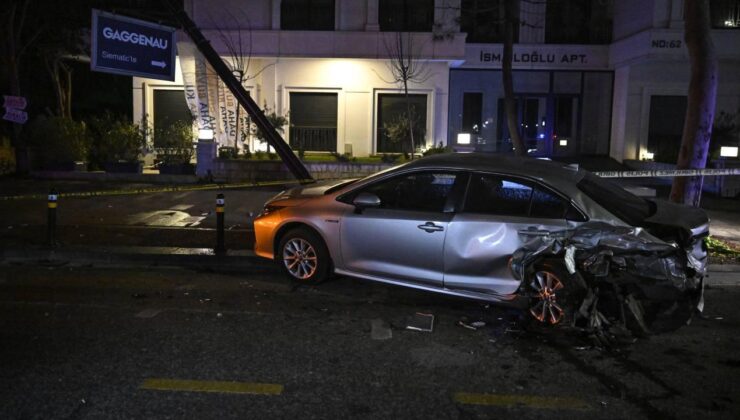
(187, 52)
(200, 92)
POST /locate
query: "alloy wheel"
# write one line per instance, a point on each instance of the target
(545, 307)
(300, 258)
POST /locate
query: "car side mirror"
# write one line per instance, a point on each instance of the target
(365, 200)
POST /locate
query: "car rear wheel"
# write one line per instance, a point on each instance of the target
(304, 257)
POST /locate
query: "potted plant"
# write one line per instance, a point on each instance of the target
(117, 144)
(58, 143)
(175, 149)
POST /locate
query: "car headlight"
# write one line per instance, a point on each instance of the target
(269, 209)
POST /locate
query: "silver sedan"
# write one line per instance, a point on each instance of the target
(450, 223)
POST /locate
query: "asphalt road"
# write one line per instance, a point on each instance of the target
(104, 343)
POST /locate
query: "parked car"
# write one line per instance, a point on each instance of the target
(451, 223)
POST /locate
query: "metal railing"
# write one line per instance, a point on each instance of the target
(313, 139)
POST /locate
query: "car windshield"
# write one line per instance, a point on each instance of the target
(620, 202)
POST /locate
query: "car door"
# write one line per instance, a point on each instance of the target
(485, 233)
(403, 238)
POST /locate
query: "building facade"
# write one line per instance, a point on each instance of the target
(591, 77)
(328, 66)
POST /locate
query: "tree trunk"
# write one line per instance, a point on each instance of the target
(697, 129)
(509, 99)
(408, 116)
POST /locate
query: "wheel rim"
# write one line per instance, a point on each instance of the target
(545, 307)
(299, 258)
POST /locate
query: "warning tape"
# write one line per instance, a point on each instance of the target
(153, 190)
(668, 173)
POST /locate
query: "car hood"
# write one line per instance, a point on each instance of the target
(689, 218)
(301, 193)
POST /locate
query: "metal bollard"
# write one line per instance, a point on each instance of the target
(51, 221)
(220, 247)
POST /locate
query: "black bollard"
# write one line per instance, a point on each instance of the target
(51, 221)
(220, 247)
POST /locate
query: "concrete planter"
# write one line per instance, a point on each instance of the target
(123, 167)
(177, 169)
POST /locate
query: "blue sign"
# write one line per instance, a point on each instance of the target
(123, 45)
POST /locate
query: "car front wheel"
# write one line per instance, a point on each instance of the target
(304, 257)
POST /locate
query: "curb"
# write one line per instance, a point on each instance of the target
(142, 257)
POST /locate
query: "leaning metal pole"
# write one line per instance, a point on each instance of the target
(292, 161)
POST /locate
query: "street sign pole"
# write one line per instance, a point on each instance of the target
(292, 161)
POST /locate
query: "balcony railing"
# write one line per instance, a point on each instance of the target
(313, 139)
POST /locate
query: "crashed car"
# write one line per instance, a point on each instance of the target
(569, 246)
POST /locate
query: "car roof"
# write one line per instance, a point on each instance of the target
(549, 171)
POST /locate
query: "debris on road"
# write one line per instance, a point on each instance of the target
(148, 313)
(421, 322)
(380, 330)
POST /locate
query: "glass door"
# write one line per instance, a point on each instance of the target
(565, 125)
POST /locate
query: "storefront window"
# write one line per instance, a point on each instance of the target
(169, 107)
(307, 15)
(579, 22)
(667, 114)
(406, 15)
(557, 113)
(725, 14)
(392, 131)
(313, 121)
(483, 21)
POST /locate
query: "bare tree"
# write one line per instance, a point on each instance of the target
(697, 129)
(18, 37)
(59, 51)
(406, 67)
(239, 62)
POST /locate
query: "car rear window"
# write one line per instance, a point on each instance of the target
(620, 202)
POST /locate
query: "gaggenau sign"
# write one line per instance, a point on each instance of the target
(134, 47)
(135, 38)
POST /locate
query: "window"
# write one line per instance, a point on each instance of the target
(313, 121)
(494, 194)
(665, 127)
(578, 22)
(307, 15)
(483, 21)
(422, 191)
(472, 112)
(406, 15)
(169, 107)
(725, 14)
(392, 131)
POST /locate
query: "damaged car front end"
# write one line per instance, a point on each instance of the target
(616, 280)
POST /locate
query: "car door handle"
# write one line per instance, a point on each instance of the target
(430, 227)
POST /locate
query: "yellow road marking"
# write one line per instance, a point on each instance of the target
(532, 401)
(212, 386)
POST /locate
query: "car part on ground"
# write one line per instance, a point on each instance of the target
(621, 281)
